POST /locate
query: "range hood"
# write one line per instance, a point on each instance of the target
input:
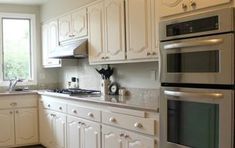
(74, 49)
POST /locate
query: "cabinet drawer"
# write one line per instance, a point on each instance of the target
(83, 112)
(143, 125)
(52, 105)
(18, 101)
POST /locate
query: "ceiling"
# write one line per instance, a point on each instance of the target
(23, 2)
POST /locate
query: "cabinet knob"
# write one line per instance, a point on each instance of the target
(49, 105)
(184, 6)
(112, 120)
(74, 111)
(154, 53)
(102, 58)
(90, 115)
(106, 57)
(11, 112)
(17, 111)
(126, 136)
(138, 125)
(122, 135)
(60, 108)
(13, 104)
(193, 3)
(148, 53)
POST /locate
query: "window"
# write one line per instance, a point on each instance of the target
(17, 49)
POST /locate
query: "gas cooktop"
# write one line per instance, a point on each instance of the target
(75, 91)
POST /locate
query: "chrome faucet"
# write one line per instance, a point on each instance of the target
(13, 83)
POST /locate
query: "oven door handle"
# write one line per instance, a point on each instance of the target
(194, 94)
(194, 43)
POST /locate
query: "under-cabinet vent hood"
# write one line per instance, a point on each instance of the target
(75, 49)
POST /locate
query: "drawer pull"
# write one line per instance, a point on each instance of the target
(112, 120)
(148, 53)
(60, 108)
(138, 125)
(90, 115)
(74, 111)
(126, 136)
(49, 105)
(13, 104)
(122, 135)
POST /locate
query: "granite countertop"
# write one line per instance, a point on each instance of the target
(149, 103)
(25, 92)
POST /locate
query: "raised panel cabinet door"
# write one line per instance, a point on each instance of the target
(53, 41)
(7, 136)
(96, 32)
(45, 126)
(114, 29)
(26, 126)
(59, 130)
(49, 42)
(155, 29)
(138, 28)
(91, 135)
(65, 28)
(74, 133)
(112, 138)
(172, 7)
(79, 23)
(134, 140)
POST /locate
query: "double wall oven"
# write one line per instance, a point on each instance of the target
(197, 78)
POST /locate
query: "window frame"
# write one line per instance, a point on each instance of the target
(33, 51)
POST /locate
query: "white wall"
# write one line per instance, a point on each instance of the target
(128, 75)
(45, 76)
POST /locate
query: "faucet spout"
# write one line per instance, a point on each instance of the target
(13, 83)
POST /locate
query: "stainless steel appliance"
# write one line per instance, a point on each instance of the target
(197, 78)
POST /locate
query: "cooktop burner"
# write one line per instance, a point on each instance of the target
(75, 91)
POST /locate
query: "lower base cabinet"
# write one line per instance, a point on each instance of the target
(18, 127)
(82, 133)
(116, 138)
(52, 129)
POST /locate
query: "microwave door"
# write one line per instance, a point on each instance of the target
(204, 60)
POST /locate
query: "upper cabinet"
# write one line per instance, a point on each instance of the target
(171, 7)
(139, 21)
(50, 43)
(119, 34)
(73, 25)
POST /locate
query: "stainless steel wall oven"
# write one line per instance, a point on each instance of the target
(197, 78)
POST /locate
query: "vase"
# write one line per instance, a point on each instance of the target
(105, 87)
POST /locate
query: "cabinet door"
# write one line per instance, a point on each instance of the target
(172, 7)
(65, 28)
(134, 140)
(49, 44)
(155, 29)
(114, 30)
(138, 28)
(74, 133)
(7, 136)
(46, 132)
(59, 130)
(91, 135)
(26, 126)
(112, 137)
(79, 23)
(96, 32)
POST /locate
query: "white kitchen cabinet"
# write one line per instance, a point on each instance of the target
(7, 134)
(124, 139)
(52, 129)
(139, 22)
(96, 32)
(82, 133)
(26, 126)
(50, 43)
(114, 36)
(112, 137)
(73, 25)
(172, 7)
